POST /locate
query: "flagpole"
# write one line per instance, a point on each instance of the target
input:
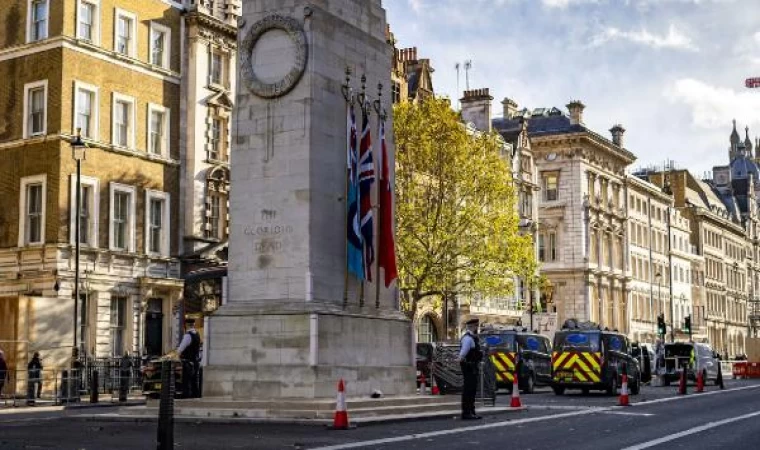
(378, 105)
(348, 96)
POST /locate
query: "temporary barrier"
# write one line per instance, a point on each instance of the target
(746, 369)
(447, 373)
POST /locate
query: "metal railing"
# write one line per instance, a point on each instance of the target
(115, 376)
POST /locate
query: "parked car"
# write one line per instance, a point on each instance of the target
(588, 358)
(678, 356)
(518, 350)
(644, 353)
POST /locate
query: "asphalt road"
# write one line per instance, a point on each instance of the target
(659, 419)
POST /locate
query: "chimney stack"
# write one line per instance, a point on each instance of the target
(476, 108)
(576, 108)
(617, 134)
(510, 108)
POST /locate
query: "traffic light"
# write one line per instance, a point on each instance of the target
(661, 327)
(687, 324)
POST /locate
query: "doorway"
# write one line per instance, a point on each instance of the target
(154, 328)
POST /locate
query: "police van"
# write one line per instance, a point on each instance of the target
(588, 358)
(516, 350)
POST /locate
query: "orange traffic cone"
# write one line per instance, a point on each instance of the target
(700, 382)
(624, 392)
(515, 403)
(340, 421)
(423, 385)
(434, 387)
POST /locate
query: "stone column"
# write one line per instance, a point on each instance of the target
(285, 331)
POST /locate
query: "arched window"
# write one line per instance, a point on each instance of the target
(217, 203)
(426, 330)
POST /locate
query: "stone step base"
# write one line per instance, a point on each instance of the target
(305, 409)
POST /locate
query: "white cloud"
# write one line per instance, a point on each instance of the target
(714, 107)
(562, 4)
(673, 40)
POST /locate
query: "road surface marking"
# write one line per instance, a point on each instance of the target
(431, 434)
(685, 397)
(624, 413)
(691, 431)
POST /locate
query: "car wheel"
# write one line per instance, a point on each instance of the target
(612, 385)
(636, 387)
(558, 390)
(530, 384)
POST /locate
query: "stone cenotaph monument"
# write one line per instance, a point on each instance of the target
(286, 330)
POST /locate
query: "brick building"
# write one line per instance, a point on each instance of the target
(147, 82)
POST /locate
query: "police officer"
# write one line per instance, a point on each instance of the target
(189, 352)
(469, 359)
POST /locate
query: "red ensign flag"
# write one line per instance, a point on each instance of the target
(387, 245)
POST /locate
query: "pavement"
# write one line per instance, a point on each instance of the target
(658, 419)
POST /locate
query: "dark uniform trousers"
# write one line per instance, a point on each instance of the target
(470, 386)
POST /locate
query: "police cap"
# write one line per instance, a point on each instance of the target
(474, 321)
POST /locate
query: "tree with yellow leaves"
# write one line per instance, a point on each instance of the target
(457, 221)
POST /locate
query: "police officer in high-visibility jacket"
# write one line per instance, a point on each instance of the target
(470, 356)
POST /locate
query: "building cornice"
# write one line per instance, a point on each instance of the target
(94, 51)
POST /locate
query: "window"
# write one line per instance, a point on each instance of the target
(89, 21)
(118, 325)
(122, 221)
(124, 33)
(550, 186)
(216, 139)
(541, 248)
(526, 203)
(32, 206)
(157, 223)
(35, 109)
(89, 212)
(158, 129)
(396, 92)
(84, 321)
(215, 207)
(38, 20)
(216, 68)
(123, 120)
(552, 237)
(86, 110)
(34, 213)
(160, 45)
(217, 189)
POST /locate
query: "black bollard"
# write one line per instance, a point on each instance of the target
(720, 378)
(64, 398)
(124, 373)
(30, 392)
(166, 408)
(94, 387)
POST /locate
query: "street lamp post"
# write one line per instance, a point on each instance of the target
(78, 153)
(658, 277)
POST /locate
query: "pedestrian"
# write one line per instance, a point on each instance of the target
(3, 371)
(189, 353)
(34, 370)
(470, 356)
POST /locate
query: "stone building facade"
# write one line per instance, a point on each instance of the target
(148, 83)
(582, 203)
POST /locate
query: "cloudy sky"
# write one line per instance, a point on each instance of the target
(671, 71)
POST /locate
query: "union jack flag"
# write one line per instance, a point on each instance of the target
(366, 180)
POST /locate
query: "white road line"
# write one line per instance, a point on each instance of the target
(691, 431)
(431, 434)
(695, 395)
(623, 413)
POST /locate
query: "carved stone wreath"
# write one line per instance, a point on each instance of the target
(288, 82)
